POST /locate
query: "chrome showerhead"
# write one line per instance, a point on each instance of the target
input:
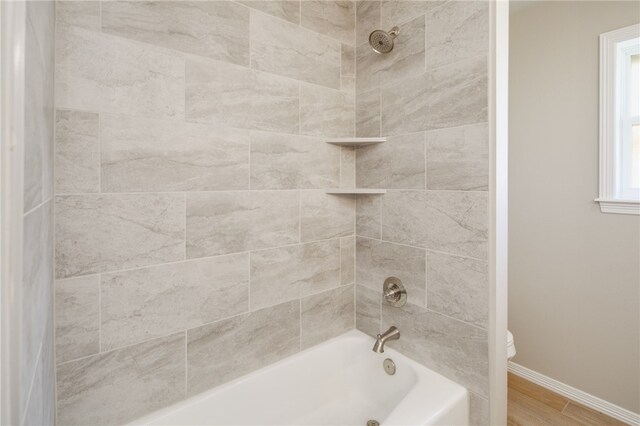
(382, 41)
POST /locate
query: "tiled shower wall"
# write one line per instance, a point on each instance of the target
(429, 97)
(36, 379)
(193, 241)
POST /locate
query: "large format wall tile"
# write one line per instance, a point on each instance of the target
(368, 310)
(227, 349)
(368, 113)
(404, 217)
(458, 158)
(326, 112)
(336, 19)
(404, 106)
(324, 216)
(217, 29)
(119, 386)
(100, 233)
(369, 216)
(77, 158)
(284, 9)
(144, 155)
(457, 350)
(457, 222)
(368, 19)
(348, 68)
(396, 164)
(82, 13)
(458, 287)
(456, 31)
(232, 95)
(326, 315)
(280, 161)
(347, 260)
(292, 51)
(283, 274)
(38, 104)
(145, 303)
(77, 317)
(378, 260)
(37, 291)
(229, 222)
(397, 12)
(103, 73)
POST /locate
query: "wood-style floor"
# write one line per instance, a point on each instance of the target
(530, 404)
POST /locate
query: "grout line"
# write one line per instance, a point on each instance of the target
(100, 334)
(184, 238)
(186, 365)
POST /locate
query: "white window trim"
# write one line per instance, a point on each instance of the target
(609, 199)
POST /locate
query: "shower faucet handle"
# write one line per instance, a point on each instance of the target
(394, 292)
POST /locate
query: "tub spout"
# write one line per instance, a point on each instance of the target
(391, 334)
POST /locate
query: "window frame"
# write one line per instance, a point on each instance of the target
(611, 197)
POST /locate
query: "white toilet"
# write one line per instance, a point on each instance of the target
(511, 348)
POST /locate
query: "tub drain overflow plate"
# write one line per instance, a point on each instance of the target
(373, 423)
(389, 366)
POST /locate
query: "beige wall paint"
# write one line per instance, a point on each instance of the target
(574, 273)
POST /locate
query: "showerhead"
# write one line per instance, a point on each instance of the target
(382, 41)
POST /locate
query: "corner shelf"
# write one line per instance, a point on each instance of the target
(356, 142)
(355, 191)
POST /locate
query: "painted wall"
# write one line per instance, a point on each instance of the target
(194, 242)
(429, 97)
(37, 382)
(574, 273)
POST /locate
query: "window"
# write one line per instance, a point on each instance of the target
(620, 121)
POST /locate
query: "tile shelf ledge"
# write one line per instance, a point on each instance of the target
(356, 191)
(356, 142)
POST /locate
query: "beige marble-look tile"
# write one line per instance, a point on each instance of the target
(77, 157)
(457, 222)
(119, 386)
(456, 31)
(145, 303)
(347, 260)
(77, 317)
(458, 94)
(404, 106)
(216, 29)
(38, 103)
(237, 221)
(452, 348)
(326, 112)
(368, 115)
(404, 217)
(378, 260)
(368, 310)
(240, 345)
(324, 216)
(37, 289)
(336, 19)
(404, 61)
(396, 164)
(287, 273)
(348, 68)
(235, 96)
(281, 161)
(458, 158)
(369, 216)
(347, 167)
(85, 14)
(397, 12)
(326, 315)
(101, 233)
(367, 19)
(100, 72)
(478, 410)
(218, 93)
(146, 155)
(458, 287)
(292, 51)
(284, 9)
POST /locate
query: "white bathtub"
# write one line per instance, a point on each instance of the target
(339, 382)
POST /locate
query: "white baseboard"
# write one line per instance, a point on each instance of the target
(577, 395)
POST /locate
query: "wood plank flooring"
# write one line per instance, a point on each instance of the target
(530, 404)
